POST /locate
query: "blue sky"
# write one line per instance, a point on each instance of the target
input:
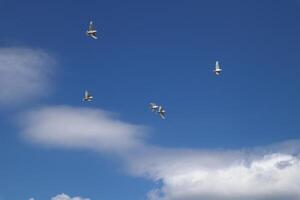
(160, 51)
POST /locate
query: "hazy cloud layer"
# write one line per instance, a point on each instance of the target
(70, 127)
(24, 74)
(66, 197)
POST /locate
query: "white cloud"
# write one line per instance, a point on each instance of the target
(24, 74)
(70, 127)
(66, 197)
(260, 174)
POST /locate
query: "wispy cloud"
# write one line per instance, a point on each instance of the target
(69, 127)
(24, 74)
(262, 173)
(67, 197)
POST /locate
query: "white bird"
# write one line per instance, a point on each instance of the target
(217, 69)
(91, 32)
(87, 96)
(158, 109)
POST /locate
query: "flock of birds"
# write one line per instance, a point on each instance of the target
(158, 109)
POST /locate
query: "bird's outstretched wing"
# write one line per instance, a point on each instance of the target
(162, 115)
(91, 26)
(217, 65)
(94, 36)
(162, 112)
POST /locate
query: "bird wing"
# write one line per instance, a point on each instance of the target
(91, 26)
(160, 109)
(217, 65)
(94, 36)
(162, 115)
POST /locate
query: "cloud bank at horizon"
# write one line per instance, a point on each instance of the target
(267, 173)
(264, 173)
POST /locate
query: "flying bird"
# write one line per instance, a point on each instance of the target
(217, 69)
(158, 109)
(91, 32)
(87, 96)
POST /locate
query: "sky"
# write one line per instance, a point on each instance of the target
(230, 137)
